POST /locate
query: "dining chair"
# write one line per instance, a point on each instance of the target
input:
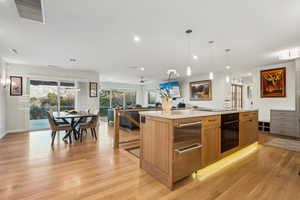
(57, 122)
(92, 125)
(58, 127)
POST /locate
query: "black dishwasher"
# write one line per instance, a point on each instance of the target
(229, 131)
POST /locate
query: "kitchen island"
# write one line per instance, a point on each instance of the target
(175, 145)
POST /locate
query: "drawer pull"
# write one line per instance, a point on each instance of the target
(188, 148)
(187, 124)
(212, 120)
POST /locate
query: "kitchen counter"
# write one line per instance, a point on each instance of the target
(175, 145)
(182, 114)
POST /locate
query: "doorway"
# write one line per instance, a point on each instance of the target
(47, 96)
(237, 96)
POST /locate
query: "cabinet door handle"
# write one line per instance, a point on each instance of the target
(188, 148)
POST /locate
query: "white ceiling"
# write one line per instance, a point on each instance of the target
(99, 34)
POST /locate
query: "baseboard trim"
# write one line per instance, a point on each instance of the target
(2, 135)
(16, 131)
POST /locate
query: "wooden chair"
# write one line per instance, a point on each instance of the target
(55, 127)
(92, 125)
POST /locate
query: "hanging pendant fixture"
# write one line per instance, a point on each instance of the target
(189, 68)
(211, 74)
(228, 67)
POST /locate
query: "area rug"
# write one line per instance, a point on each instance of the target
(292, 145)
(135, 151)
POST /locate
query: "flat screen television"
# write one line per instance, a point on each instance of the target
(173, 87)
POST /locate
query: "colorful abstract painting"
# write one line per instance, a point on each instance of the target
(273, 83)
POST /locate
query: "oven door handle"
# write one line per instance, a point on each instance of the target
(188, 148)
(231, 122)
(187, 124)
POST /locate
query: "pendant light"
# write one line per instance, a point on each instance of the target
(211, 74)
(189, 68)
(228, 67)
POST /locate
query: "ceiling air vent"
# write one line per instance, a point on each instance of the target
(30, 9)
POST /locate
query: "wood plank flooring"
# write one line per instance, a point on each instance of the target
(31, 169)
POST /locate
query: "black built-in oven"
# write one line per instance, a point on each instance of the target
(229, 131)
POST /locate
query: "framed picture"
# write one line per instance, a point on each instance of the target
(201, 91)
(273, 83)
(93, 89)
(16, 86)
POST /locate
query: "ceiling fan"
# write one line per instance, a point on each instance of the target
(142, 79)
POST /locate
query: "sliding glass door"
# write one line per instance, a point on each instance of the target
(104, 102)
(49, 96)
(43, 97)
(67, 94)
(116, 98)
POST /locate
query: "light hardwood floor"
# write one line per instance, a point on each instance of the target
(30, 169)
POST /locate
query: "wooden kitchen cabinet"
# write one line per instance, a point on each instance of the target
(248, 128)
(211, 139)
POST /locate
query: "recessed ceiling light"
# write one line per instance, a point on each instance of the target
(195, 57)
(136, 39)
(73, 60)
(14, 51)
(142, 69)
(249, 74)
(227, 67)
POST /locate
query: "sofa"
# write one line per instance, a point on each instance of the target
(125, 123)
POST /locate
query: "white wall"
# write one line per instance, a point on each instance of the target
(84, 101)
(219, 91)
(266, 104)
(18, 115)
(2, 102)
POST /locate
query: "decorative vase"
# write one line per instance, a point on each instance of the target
(166, 105)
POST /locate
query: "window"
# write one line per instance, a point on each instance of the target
(130, 98)
(117, 98)
(113, 98)
(49, 96)
(152, 96)
(237, 96)
(67, 96)
(104, 102)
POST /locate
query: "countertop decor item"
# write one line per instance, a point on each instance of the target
(273, 83)
(166, 99)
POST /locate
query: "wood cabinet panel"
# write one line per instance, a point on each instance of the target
(156, 144)
(212, 121)
(248, 128)
(211, 140)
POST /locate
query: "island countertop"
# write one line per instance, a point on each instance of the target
(189, 113)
